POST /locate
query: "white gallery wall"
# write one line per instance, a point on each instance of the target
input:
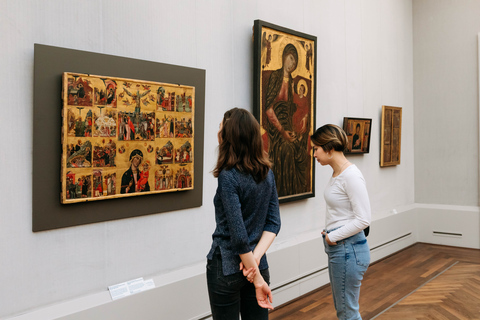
(365, 60)
(446, 99)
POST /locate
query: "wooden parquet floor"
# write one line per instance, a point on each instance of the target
(420, 282)
(454, 294)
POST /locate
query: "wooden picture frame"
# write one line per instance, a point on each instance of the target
(284, 80)
(358, 131)
(390, 147)
(125, 137)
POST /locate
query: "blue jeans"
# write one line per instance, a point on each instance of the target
(233, 294)
(347, 262)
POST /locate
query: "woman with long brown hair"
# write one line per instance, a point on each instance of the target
(247, 221)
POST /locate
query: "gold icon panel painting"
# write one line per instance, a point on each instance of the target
(124, 137)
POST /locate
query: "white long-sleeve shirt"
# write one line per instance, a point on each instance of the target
(348, 204)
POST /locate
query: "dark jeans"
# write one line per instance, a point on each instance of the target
(233, 294)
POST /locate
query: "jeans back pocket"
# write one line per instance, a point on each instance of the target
(362, 252)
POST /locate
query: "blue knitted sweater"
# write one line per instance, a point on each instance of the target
(243, 210)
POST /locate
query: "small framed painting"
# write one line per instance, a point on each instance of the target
(391, 136)
(358, 132)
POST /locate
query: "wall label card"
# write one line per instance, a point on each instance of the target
(125, 289)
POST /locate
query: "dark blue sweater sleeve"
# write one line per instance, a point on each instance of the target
(273, 216)
(229, 192)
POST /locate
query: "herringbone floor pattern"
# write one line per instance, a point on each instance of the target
(455, 294)
(420, 282)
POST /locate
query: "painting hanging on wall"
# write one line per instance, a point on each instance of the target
(391, 136)
(124, 137)
(285, 64)
(358, 133)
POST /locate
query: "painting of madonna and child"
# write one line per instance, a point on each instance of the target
(284, 86)
(124, 137)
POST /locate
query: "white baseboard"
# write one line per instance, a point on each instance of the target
(449, 225)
